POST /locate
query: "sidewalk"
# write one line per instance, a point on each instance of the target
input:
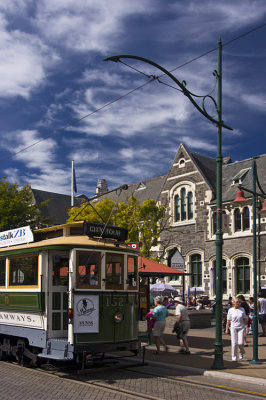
(201, 343)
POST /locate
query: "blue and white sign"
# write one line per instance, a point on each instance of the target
(16, 236)
(86, 314)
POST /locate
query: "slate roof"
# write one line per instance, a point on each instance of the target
(144, 190)
(207, 167)
(56, 209)
(229, 189)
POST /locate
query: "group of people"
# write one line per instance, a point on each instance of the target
(239, 322)
(158, 319)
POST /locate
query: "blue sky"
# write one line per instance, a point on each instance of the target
(52, 72)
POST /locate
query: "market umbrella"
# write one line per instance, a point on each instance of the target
(194, 291)
(163, 289)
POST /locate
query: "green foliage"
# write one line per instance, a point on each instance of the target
(16, 208)
(144, 222)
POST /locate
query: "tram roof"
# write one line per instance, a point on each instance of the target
(66, 235)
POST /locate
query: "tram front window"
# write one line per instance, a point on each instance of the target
(132, 272)
(88, 269)
(114, 271)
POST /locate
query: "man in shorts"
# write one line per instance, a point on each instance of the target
(181, 313)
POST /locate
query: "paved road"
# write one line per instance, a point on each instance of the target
(18, 383)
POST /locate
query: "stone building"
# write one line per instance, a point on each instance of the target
(189, 196)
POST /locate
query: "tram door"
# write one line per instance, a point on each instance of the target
(58, 294)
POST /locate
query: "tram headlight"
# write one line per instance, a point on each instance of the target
(70, 315)
(118, 317)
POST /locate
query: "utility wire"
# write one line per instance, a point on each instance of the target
(75, 122)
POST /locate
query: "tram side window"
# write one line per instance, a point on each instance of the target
(2, 272)
(23, 271)
(88, 269)
(132, 272)
(114, 271)
(60, 271)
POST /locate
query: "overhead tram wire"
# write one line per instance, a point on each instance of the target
(153, 77)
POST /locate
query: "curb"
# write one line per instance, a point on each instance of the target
(209, 373)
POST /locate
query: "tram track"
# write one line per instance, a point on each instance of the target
(186, 381)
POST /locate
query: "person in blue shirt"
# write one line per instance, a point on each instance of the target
(160, 313)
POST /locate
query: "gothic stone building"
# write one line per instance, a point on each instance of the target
(189, 195)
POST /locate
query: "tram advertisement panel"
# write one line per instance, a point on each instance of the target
(86, 314)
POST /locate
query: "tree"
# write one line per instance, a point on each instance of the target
(144, 222)
(17, 208)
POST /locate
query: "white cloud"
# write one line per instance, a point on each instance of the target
(86, 25)
(199, 144)
(23, 62)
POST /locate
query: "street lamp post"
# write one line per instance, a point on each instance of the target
(218, 346)
(255, 194)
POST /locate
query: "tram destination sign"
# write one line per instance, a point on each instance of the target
(105, 231)
(16, 236)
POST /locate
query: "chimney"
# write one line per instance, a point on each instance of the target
(101, 186)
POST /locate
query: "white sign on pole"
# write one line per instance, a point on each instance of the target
(86, 314)
(16, 236)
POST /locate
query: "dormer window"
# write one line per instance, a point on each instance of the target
(141, 186)
(239, 177)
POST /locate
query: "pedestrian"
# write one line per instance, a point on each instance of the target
(150, 325)
(251, 315)
(183, 320)
(245, 306)
(160, 313)
(236, 322)
(262, 313)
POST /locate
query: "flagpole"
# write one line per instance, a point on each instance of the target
(72, 184)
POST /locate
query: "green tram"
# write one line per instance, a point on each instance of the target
(67, 292)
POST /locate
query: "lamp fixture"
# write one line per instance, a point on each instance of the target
(240, 196)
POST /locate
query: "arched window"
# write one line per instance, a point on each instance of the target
(177, 208)
(242, 219)
(237, 215)
(190, 205)
(183, 204)
(214, 221)
(242, 275)
(246, 220)
(196, 270)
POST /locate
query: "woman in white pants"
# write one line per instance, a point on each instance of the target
(236, 321)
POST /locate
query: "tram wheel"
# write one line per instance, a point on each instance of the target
(24, 355)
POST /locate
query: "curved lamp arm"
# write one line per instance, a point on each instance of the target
(182, 86)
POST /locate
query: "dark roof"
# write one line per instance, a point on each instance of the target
(145, 190)
(229, 189)
(207, 167)
(56, 210)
